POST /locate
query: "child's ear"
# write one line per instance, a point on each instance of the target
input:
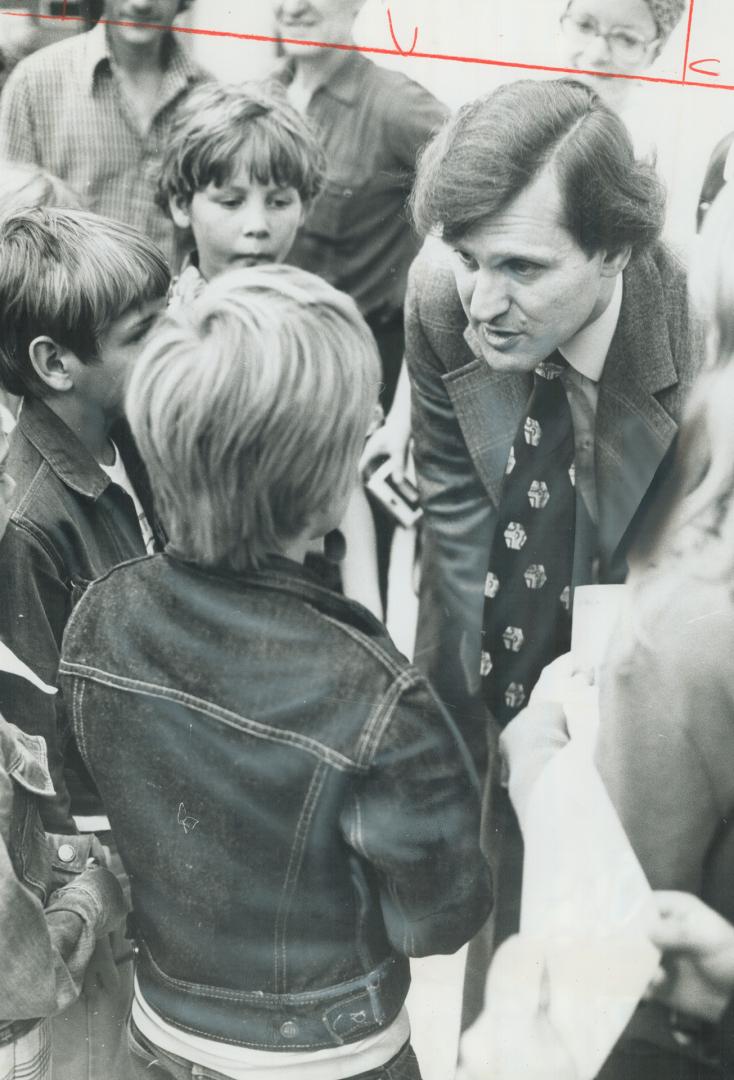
(51, 364)
(180, 211)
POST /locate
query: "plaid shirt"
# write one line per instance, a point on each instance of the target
(63, 108)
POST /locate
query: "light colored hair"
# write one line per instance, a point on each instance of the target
(68, 274)
(24, 186)
(250, 409)
(697, 523)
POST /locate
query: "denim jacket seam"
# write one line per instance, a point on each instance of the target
(379, 654)
(253, 727)
(293, 869)
(26, 849)
(41, 537)
(77, 712)
(253, 997)
(356, 838)
(380, 719)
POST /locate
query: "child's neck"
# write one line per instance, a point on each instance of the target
(90, 425)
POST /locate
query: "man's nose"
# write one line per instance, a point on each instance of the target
(490, 298)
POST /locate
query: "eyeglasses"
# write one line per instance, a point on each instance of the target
(625, 46)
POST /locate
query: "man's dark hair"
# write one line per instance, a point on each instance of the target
(497, 145)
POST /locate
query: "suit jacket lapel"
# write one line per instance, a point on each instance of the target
(633, 430)
(489, 406)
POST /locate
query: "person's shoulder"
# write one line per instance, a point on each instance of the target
(402, 99)
(432, 286)
(49, 63)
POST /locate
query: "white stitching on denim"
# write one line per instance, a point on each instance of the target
(373, 735)
(249, 997)
(291, 876)
(216, 712)
(77, 702)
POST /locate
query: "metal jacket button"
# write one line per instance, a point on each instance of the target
(66, 853)
(289, 1029)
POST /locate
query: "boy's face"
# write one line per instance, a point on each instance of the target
(154, 13)
(242, 223)
(104, 382)
(7, 485)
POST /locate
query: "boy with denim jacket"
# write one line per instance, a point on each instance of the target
(297, 812)
(55, 900)
(78, 294)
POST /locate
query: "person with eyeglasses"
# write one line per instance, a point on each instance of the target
(617, 37)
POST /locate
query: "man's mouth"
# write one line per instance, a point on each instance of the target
(498, 338)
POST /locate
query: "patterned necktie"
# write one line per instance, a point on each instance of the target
(527, 618)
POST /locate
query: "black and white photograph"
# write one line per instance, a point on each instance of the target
(366, 540)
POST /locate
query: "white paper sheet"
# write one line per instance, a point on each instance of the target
(10, 663)
(596, 611)
(584, 894)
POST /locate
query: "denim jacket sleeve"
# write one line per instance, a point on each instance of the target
(34, 607)
(45, 950)
(415, 817)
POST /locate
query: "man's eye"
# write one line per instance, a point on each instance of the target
(465, 259)
(522, 267)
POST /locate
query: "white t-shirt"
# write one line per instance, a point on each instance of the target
(242, 1063)
(118, 475)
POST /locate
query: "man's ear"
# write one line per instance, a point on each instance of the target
(614, 264)
(180, 212)
(51, 364)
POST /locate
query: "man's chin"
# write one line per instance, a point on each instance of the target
(516, 360)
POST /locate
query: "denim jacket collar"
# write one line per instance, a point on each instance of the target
(288, 576)
(59, 446)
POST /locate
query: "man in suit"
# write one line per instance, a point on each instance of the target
(548, 274)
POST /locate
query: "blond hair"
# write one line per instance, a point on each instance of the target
(23, 186)
(696, 526)
(250, 409)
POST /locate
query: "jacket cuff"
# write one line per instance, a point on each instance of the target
(95, 896)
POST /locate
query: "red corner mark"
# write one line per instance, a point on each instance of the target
(396, 43)
(695, 65)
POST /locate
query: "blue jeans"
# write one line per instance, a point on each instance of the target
(151, 1063)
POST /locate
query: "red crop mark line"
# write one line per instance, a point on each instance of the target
(373, 50)
(397, 44)
(688, 40)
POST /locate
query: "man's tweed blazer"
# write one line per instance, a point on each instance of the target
(465, 417)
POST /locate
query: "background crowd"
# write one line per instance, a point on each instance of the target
(282, 364)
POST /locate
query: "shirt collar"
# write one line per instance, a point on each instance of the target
(180, 69)
(344, 83)
(587, 350)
